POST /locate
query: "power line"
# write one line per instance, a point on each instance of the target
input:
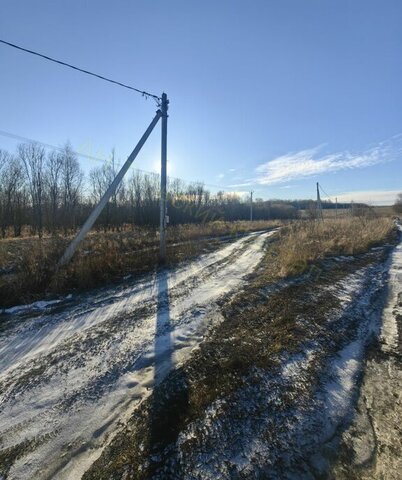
(60, 149)
(104, 160)
(48, 145)
(325, 193)
(65, 64)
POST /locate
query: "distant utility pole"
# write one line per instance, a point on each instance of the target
(251, 206)
(163, 206)
(319, 206)
(336, 207)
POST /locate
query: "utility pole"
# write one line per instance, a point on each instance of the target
(336, 207)
(163, 207)
(319, 206)
(251, 206)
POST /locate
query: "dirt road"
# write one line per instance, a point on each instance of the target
(71, 372)
(371, 447)
(272, 387)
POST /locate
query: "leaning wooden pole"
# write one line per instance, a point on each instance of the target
(319, 205)
(70, 250)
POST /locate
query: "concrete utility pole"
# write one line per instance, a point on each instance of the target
(319, 206)
(70, 250)
(163, 207)
(251, 206)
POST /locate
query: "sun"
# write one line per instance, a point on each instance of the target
(156, 166)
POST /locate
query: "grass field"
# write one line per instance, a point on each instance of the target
(302, 243)
(27, 265)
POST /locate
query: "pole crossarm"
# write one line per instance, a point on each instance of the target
(70, 250)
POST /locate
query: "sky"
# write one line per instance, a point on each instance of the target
(269, 96)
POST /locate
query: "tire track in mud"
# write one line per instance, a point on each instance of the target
(268, 391)
(69, 377)
(371, 446)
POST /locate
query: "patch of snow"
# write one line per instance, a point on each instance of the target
(272, 428)
(389, 332)
(98, 359)
(293, 366)
(343, 373)
(39, 305)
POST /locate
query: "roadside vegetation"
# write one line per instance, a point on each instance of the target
(302, 243)
(28, 265)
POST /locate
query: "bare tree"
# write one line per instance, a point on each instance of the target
(100, 179)
(72, 179)
(54, 165)
(13, 196)
(33, 157)
(135, 194)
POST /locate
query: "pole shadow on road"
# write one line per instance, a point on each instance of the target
(169, 398)
(163, 348)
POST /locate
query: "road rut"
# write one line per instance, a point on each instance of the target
(70, 376)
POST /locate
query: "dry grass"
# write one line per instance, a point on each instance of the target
(304, 242)
(27, 265)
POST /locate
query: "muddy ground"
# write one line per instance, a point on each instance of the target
(212, 370)
(371, 448)
(271, 392)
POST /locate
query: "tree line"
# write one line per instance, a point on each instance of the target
(47, 192)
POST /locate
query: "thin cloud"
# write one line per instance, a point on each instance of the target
(307, 163)
(373, 197)
(240, 185)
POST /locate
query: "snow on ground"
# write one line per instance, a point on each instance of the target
(271, 427)
(69, 377)
(39, 305)
(389, 333)
(373, 440)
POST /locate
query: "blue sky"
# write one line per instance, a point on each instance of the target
(265, 95)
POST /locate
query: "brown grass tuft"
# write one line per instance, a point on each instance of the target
(304, 242)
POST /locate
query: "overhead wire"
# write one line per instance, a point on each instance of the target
(325, 193)
(82, 70)
(48, 145)
(104, 160)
